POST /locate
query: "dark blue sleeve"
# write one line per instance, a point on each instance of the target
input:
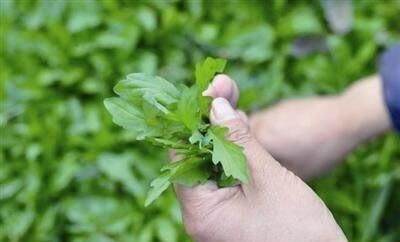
(389, 68)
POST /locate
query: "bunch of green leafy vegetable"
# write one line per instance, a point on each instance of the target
(176, 117)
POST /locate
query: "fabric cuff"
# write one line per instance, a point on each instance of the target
(389, 68)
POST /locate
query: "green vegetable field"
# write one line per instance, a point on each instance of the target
(68, 172)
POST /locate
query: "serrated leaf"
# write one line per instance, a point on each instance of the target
(230, 155)
(202, 140)
(196, 137)
(225, 181)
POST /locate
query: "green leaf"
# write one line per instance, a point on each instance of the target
(196, 137)
(202, 140)
(165, 230)
(170, 143)
(230, 155)
(19, 223)
(188, 172)
(158, 186)
(140, 87)
(118, 168)
(152, 88)
(125, 114)
(204, 74)
(188, 108)
(144, 121)
(250, 43)
(226, 181)
(206, 71)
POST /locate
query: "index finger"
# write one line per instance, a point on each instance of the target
(223, 86)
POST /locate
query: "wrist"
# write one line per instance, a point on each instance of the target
(363, 108)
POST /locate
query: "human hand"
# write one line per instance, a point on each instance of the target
(309, 136)
(274, 206)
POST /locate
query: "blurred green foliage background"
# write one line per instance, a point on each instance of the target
(68, 174)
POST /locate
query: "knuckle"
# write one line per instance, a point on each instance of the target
(239, 133)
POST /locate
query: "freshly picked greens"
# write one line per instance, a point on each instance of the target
(176, 117)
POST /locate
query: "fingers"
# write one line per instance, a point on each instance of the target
(201, 199)
(187, 194)
(223, 86)
(243, 117)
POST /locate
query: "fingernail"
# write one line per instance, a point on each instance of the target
(223, 110)
(209, 91)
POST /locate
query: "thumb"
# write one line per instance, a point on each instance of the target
(260, 162)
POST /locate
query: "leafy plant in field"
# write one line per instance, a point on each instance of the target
(56, 140)
(176, 117)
